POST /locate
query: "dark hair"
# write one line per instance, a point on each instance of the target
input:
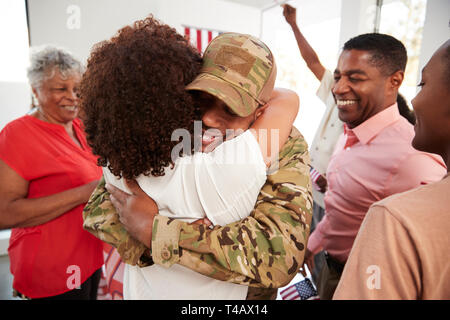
(133, 97)
(404, 109)
(388, 53)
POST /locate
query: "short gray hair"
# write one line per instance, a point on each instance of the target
(46, 60)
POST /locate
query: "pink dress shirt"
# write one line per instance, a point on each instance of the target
(380, 164)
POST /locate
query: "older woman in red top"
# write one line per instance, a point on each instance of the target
(48, 173)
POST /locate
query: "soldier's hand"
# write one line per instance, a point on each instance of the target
(136, 211)
(290, 14)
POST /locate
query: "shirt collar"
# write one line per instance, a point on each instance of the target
(370, 128)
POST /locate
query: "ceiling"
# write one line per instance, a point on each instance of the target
(260, 4)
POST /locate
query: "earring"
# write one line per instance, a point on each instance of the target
(33, 104)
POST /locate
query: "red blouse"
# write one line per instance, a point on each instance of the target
(47, 259)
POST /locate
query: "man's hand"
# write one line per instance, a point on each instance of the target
(290, 14)
(136, 211)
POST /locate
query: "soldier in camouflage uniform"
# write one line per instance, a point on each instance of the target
(264, 250)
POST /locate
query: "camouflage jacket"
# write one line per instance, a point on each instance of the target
(265, 249)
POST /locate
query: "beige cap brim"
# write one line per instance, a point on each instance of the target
(236, 99)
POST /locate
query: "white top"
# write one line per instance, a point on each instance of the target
(327, 133)
(223, 186)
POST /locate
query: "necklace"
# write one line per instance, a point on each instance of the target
(43, 115)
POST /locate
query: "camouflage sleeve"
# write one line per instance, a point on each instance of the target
(101, 220)
(265, 249)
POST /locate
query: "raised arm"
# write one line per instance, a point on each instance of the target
(307, 52)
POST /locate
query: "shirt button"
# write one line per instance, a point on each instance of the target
(166, 254)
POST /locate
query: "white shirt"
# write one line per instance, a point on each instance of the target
(223, 186)
(327, 133)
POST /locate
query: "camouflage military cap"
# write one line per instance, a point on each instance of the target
(238, 69)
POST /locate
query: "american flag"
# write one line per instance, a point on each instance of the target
(200, 38)
(302, 290)
(111, 281)
(314, 176)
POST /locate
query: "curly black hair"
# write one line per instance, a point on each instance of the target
(133, 97)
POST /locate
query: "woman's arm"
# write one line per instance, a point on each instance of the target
(274, 122)
(16, 211)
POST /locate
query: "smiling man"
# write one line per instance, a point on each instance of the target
(373, 158)
(410, 253)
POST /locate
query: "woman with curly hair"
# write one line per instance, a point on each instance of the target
(134, 97)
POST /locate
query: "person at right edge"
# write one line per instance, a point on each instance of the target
(374, 158)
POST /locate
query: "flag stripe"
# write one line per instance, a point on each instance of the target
(200, 38)
(301, 290)
(314, 174)
(292, 296)
(111, 284)
(209, 36)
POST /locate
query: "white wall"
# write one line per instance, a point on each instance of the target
(15, 96)
(357, 17)
(4, 241)
(436, 29)
(15, 101)
(78, 24)
(60, 22)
